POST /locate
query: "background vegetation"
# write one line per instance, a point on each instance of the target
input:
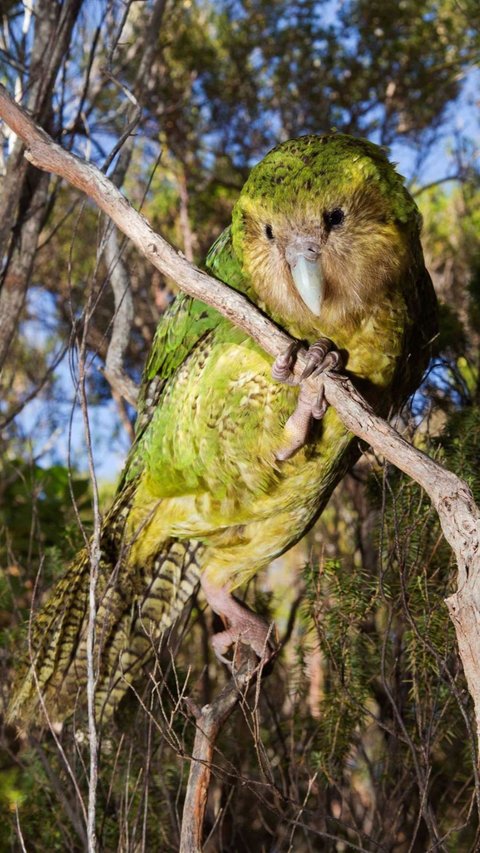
(362, 737)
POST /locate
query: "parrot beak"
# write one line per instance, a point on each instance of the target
(303, 258)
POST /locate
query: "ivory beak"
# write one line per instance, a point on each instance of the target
(303, 258)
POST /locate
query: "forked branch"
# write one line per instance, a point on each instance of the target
(209, 722)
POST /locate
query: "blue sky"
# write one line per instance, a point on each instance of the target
(64, 440)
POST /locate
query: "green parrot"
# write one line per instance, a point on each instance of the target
(233, 461)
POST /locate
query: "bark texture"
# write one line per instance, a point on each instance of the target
(24, 199)
(209, 722)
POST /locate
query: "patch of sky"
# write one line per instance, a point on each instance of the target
(440, 377)
(54, 426)
(461, 119)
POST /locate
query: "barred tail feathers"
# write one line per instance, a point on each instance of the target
(136, 606)
(52, 637)
(167, 587)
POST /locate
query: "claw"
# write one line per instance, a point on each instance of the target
(317, 356)
(283, 365)
(320, 406)
(321, 356)
(244, 626)
(224, 640)
(332, 361)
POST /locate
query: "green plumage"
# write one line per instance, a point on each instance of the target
(203, 492)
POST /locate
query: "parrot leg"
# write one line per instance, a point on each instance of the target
(321, 356)
(244, 626)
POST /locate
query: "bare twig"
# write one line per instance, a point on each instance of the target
(451, 497)
(47, 155)
(123, 318)
(72, 814)
(185, 226)
(48, 720)
(36, 390)
(94, 553)
(19, 269)
(416, 192)
(114, 371)
(209, 722)
(19, 830)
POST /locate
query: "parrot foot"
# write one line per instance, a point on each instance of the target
(244, 626)
(322, 356)
(282, 369)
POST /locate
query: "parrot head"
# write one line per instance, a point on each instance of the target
(323, 228)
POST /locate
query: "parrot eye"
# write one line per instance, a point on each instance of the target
(334, 217)
(269, 232)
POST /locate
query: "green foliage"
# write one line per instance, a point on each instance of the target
(461, 446)
(340, 605)
(452, 337)
(38, 529)
(30, 793)
(392, 693)
(36, 509)
(387, 43)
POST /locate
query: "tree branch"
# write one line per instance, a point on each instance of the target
(458, 177)
(209, 722)
(45, 154)
(52, 32)
(114, 372)
(453, 500)
(122, 319)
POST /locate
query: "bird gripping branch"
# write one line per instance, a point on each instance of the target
(233, 460)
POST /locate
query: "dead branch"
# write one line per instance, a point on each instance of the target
(52, 32)
(451, 497)
(209, 722)
(122, 321)
(42, 152)
(114, 372)
(19, 269)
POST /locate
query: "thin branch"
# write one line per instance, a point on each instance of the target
(95, 556)
(114, 371)
(133, 120)
(122, 410)
(53, 28)
(458, 177)
(209, 722)
(47, 155)
(123, 318)
(185, 225)
(357, 415)
(60, 791)
(19, 269)
(36, 390)
(19, 830)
